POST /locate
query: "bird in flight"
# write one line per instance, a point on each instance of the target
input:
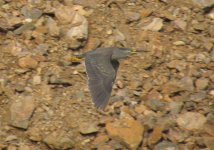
(101, 68)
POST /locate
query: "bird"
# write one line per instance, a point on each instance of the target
(101, 68)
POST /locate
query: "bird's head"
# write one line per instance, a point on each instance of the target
(119, 53)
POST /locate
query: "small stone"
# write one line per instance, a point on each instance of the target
(37, 80)
(21, 111)
(175, 107)
(25, 27)
(166, 146)
(88, 128)
(132, 16)
(155, 104)
(24, 147)
(187, 84)
(191, 121)
(203, 3)
(208, 45)
(34, 134)
(140, 109)
(126, 130)
(177, 64)
(11, 147)
(180, 24)
(179, 43)
(32, 13)
(155, 25)
(27, 62)
(198, 97)
(11, 138)
(146, 12)
(212, 55)
(211, 92)
(198, 27)
(156, 135)
(53, 29)
(100, 140)
(59, 140)
(201, 83)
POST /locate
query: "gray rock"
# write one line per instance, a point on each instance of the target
(25, 27)
(21, 111)
(166, 146)
(32, 13)
(155, 104)
(198, 97)
(59, 140)
(53, 29)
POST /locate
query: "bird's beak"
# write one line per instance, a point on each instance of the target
(133, 51)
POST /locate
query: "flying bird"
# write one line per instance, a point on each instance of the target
(101, 68)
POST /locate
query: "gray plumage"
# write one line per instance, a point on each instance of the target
(101, 67)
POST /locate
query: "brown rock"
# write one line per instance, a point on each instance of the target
(126, 130)
(209, 142)
(21, 110)
(100, 140)
(27, 62)
(201, 83)
(156, 135)
(59, 140)
(88, 128)
(146, 13)
(155, 25)
(180, 24)
(177, 64)
(191, 121)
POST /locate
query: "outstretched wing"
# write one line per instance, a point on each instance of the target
(101, 76)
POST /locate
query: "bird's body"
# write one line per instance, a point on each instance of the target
(101, 67)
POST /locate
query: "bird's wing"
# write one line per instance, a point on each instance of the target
(101, 76)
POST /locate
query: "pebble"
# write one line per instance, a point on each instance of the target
(88, 128)
(201, 83)
(175, 107)
(32, 13)
(177, 64)
(53, 28)
(156, 135)
(155, 25)
(21, 111)
(27, 62)
(179, 43)
(37, 80)
(126, 130)
(209, 142)
(146, 12)
(203, 3)
(165, 145)
(198, 97)
(59, 140)
(191, 121)
(25, 27)
(181, 24)
(132, 16)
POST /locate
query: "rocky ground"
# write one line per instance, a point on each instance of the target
(163, 98)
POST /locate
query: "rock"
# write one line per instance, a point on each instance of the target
(155, 25)
(34, 134)
(37, 80)
(11, 147)
(209, 142)
(21, 111)
(156, 135)
(24, 147)
(88, 128)
(132, 16)
(179, 43)
(25, 27)
(11, 138)
(175, 107)
(126, 130)
(181, 24)
(32, 13)
(209, 126)
(53, 29)
(191, 121)
(86, 3)
(212, 55)
(211, 31)
(177, 64)
(172, 87)
(59, 140)
(93, 43)
(201, 83)
(146, 13)
(27, 62)
(166, 146)
(203, 3)
(64, 14)
(55, 80)
(198, 97)
(78, 31)
(187, 84)
(155, 104)
(100, 140)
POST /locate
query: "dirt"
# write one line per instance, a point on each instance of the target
(163, 97)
